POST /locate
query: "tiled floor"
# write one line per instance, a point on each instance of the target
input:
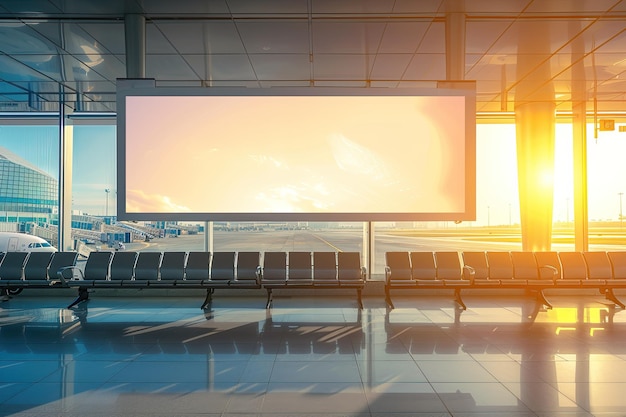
(311, 357)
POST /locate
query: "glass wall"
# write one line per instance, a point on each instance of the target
(607, 177)
(29, 175)
(94, 170)
(607, 184)
(93, 186)
(29, 171)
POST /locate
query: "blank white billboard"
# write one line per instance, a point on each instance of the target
(307, 155)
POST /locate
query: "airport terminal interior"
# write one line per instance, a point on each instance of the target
(539, 169)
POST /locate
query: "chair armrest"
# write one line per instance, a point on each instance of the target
(363, 273)
(61, 274)
(553, 270)
(387, 274)
(259, 274)
(469, 273)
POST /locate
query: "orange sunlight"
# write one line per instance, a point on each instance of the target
(496, 172)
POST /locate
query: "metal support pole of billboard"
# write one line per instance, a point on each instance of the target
(208, 236)
(368, 248)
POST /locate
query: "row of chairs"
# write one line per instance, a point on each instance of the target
(313, 270)
(191, 270)
(534, 271)
(19, 270)
(185, 270)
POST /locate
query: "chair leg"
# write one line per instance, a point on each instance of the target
(532, 316)
(541, 298)
(388, 297)
(270, 300)
(208, 299)
(15, 291)
(457, 314)
(83, 295)
(4, 295)
(458, 299)
(359, 298)
(610, 295)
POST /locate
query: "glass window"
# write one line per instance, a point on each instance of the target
(93, 185)
(29, 173)
(606, 183)
(29, 158)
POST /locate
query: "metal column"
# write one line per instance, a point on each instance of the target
(455, 40)
(579, 127)
(65, 178)
(135, 32)
(535, 125)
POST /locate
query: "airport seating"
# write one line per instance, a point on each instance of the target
(533, 272)
(314, 270)
(434, 270)
(96, 269)
(42, 269)
(478, 262)
(172, 267)
(36, 267)
(19, 270)
(146, 273)
(12, 272)
(232, 270)
(190, 270)
(166, 270)
(60, 261)
(121, 269)
(196, 268)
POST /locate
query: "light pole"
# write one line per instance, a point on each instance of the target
(106, 207)
(620, 209)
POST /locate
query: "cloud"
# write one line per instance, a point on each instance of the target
(264, 160)
(291, 198)
(352, 157)
(139, 202)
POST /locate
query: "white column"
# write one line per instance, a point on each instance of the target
(66, 142)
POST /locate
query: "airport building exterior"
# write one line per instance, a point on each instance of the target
(27, 194)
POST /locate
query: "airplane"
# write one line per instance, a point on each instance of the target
(22, 242)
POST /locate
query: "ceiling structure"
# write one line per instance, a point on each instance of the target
(575, 48)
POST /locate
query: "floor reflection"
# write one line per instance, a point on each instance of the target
(311, 356)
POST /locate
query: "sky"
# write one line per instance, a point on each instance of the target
(95, 154)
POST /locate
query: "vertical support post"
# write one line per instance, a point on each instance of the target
(535, 135)
(208, 236)
(61, 234)
(581, 213)
(135, 33)
(368, 249)
(455, 40)
(535, 126)
(579, 128)
(65, 177)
